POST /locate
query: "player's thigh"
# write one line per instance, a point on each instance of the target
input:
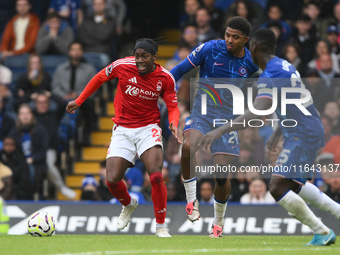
(152, 159)
(115, 168)
(190, 140)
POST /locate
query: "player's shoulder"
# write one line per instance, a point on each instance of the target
(127, 61)
(278, 68)
(166, 74)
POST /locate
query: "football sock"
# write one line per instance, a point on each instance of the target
(311, 194)
(159, 225)
(159, 196)
(219, 211)
(298, 209)
(119, 191)
(190, 189)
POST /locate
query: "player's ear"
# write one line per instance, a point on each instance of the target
(155, 57)
(246, 39)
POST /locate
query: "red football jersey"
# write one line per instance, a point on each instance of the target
(136, 100)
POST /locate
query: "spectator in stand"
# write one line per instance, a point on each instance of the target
(6, 123)
(97, 33)
(33, 140)
(313, 10)
(332, 110)
(13, 157)
(333, 185)
(206, 192)
(321, 94)
(6, 183)
(21, 31)
(332, 38)
(189, 16)
(334, 20)
(290, 52)
(216, 14)
(274, 13)
(249, 10)
(35, 80)
(323, 47)
(276, 27)
(50, 119)
(69, 10)
(54, 36)
(6, 113)
(304, 37)
(189, 36)
(204, 30)
(258, 193)
(173, 194)
(89, 189)
(69, 80)
(6, 96)
(327, 73)
(327, 126)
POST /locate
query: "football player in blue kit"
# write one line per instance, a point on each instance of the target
(217, 59)
(301, 142)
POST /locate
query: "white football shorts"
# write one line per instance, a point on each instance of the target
(128, 143)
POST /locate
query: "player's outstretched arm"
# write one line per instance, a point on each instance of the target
(72, 107)
(207, 140)
(175, 132)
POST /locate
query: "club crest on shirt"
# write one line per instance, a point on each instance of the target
(242, 71)
(159, 85)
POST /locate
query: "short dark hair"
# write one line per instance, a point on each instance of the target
(52, 15)
(75, 42)
(239, 23)
(265, 39)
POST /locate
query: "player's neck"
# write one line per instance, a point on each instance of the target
(240, 53)
(264, 59)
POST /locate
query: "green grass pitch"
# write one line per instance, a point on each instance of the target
(124, 244)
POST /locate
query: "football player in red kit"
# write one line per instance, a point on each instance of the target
(136, 130)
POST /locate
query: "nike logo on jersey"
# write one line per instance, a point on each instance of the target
(218, 64)
(134, 80)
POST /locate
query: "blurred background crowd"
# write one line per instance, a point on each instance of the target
(50, 49)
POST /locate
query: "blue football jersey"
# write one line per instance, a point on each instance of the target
(280, 74)
(217, 66)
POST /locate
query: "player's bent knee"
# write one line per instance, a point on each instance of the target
(112, 178)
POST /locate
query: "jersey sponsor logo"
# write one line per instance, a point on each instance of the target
(159, 85)
(261, 85)
(132, 90)
(242, 71)
(146, 94)
(134, 80)
(108, 70)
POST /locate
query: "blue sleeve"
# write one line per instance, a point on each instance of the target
(196, 58)
(78, 4)
(182, 68)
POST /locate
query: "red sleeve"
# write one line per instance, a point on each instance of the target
(170, 98)
(106, 74)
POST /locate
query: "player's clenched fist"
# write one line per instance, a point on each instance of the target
(72, 107)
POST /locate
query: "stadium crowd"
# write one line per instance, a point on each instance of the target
(64, 43)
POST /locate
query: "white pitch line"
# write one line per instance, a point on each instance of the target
(154, 251)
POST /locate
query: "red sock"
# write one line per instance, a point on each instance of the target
(159, 196)
(119, 191)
